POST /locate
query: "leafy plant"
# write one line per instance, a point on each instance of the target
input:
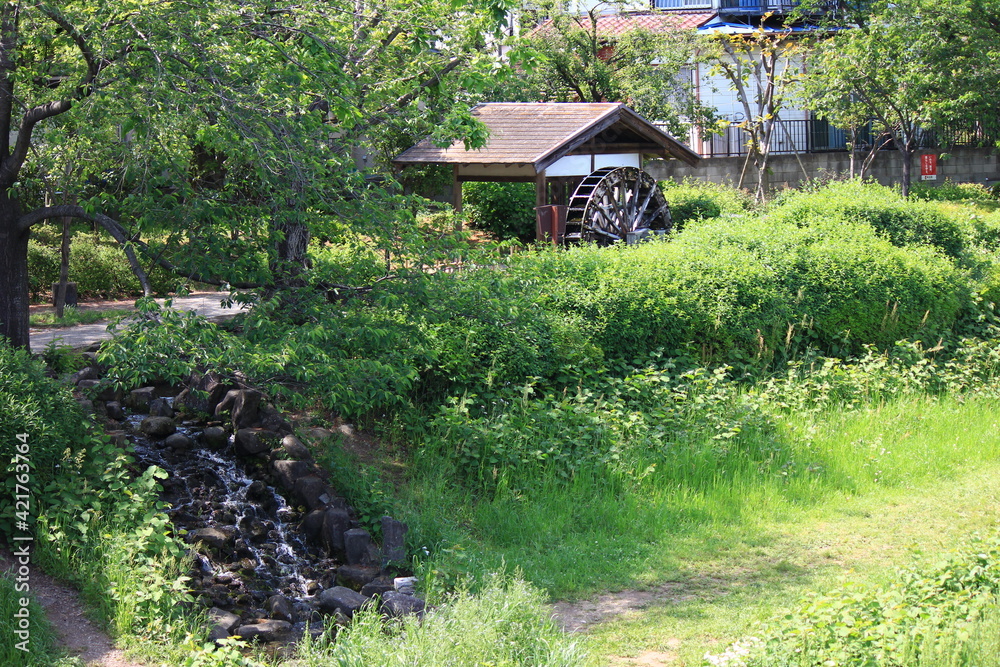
(505, 209)
(922, 609)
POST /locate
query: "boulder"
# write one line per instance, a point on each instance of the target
(103, 391)
(223, 623)
(251, 441)
(139, 399)
(214, 437)
(405, 585)
(342, 598)
(280, 608)
(219, 539)
(335, 523)
(396, 604)
(86, 405)
(204, 393)
(356, 577)
(273, 420)
(294, 448)
(377, 586)
(160, 407)
(177, 441)
(243, 405)
(311, 491)
(88, 386)
(356, 542)
(115, 411)
(393, 540)
(157, 427)
(265, 630)
(88, 373)
(287, 472)
(319, 434)
(312, 525)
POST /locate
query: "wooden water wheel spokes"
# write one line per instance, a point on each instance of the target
(612, 202)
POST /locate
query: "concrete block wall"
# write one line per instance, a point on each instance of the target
(962, 165)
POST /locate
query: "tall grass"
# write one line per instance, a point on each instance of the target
(41, 642)
(630, 524)
(504, 624)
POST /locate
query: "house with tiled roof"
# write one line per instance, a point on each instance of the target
(800, 132)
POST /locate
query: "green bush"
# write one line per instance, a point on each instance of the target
(951, 191)
(754, 288)
(699, 200)
(97, 265)
(902, 222)
(505, 209)
(42, 411)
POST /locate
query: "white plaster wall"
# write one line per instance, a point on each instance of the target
(579, 165)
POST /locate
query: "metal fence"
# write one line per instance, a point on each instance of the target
(818, 136)
(757, 6)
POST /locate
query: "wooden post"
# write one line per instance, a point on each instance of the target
(456, 197)
(541, 196)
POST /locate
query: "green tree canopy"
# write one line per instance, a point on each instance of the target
(574, 60)
(234, 126)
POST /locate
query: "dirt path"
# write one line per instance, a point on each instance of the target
(78, 635)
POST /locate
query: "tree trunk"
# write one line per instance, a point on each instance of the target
(291, 251)
(13, 275)
(63, 270)
(907, 156)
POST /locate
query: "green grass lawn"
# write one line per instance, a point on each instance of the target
(694, 560)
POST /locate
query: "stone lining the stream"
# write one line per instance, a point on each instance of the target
(275, 546)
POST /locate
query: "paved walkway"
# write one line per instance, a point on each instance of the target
(205, 303)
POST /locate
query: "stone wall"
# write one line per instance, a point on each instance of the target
(978, 165)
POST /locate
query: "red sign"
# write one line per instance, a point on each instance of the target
(928, 167)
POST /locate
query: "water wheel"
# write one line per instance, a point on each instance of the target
(614, 201)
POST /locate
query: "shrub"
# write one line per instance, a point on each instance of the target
(97, 265)
(927, 608)
(505, 209)
(346, 263)
(902, 222)
(41, 409)
(951, 191)
(699, 200)
(750, 287)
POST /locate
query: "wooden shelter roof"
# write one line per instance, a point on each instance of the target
(539, 134)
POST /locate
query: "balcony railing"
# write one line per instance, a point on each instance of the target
(682, 4)
(818, 136)
(755, 7)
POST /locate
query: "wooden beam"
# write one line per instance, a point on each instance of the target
(541, 196)
(607, 149)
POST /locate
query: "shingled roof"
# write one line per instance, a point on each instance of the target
(539, 134)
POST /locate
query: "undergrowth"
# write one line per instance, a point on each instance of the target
(937, 612)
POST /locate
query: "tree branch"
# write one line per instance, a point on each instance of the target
(119, 233)
(11, 165)
(86, 85)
